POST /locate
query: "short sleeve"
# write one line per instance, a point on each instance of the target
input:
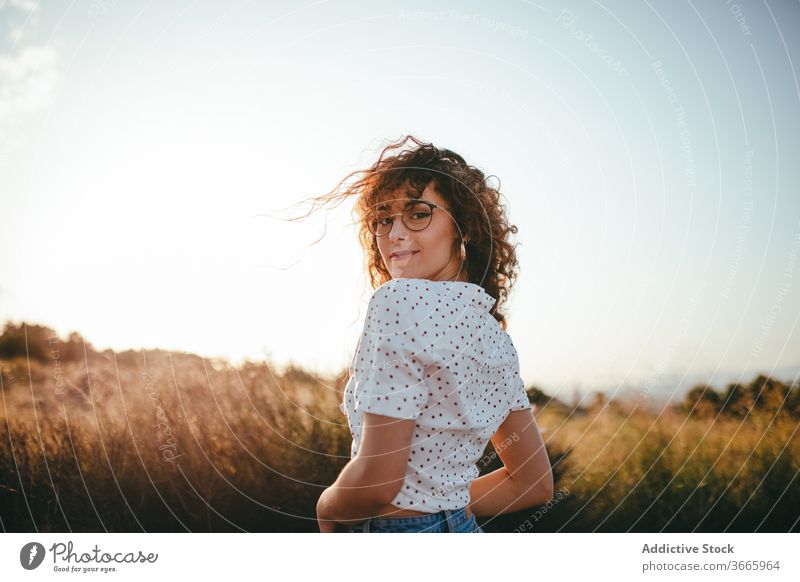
(390, 360)
(520, 396)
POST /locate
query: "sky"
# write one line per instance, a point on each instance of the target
(152, 152)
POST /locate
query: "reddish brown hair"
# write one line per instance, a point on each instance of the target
(474, 205)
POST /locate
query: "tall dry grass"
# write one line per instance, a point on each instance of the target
(153, 441)
(630, 469)
(165, 442)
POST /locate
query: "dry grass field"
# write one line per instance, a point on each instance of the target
(158, 441)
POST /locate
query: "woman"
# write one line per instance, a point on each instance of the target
(435, 376)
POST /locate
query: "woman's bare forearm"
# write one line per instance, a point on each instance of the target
(497, 492)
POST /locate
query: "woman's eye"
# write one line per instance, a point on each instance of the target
(420, 215)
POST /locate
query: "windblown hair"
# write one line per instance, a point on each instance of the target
(474, 205)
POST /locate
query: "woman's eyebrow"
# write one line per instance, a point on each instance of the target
(407, 203)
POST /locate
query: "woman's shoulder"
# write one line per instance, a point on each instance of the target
(443, 313)
(397, 303)
(422, 293)
(395, 288)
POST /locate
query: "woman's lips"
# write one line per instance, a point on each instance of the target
(403, 255)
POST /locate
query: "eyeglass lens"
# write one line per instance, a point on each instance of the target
(416, 216)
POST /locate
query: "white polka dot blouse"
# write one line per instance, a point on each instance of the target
(432, 352)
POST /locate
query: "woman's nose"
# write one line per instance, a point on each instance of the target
(398, 229)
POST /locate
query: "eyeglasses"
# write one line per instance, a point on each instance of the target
(416, 216)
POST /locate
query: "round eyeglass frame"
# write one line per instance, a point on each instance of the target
(373, 228)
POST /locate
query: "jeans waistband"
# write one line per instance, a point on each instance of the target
(453, 518)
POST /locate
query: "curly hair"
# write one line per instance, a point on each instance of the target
(475, 206)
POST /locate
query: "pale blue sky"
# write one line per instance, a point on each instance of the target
(647, 153)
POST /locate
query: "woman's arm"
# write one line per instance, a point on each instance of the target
(351, 498)
(372, 479)
(525, 480)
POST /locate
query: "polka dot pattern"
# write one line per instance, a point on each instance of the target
(432, 352)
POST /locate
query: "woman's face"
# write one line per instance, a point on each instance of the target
(432, 256)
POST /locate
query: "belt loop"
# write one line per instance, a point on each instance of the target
(447, 516)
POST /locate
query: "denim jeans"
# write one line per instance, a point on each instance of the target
(446, 521)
